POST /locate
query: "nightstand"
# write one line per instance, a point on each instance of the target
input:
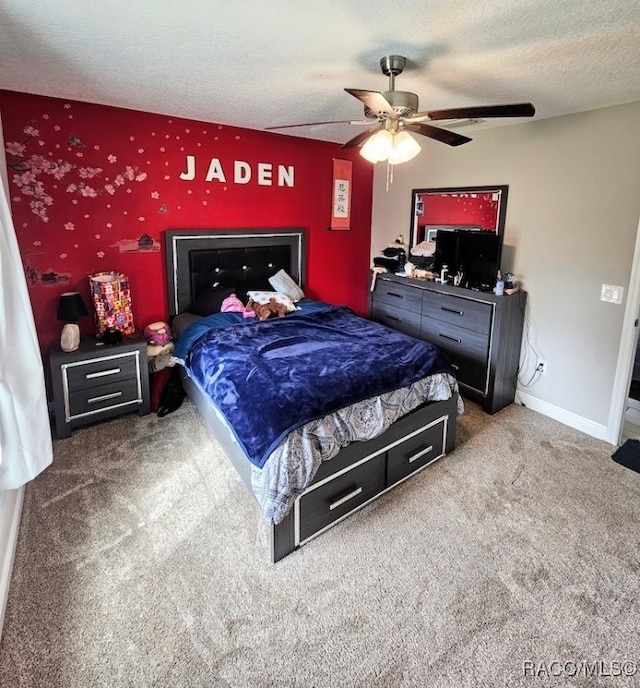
(97, 382)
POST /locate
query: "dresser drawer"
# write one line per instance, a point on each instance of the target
(103, 370)
(398, 295)
(463, 312)
(100, 397)
(458, 340)
(397, 318)
(327, 502)
(416, 452)
(470, 373)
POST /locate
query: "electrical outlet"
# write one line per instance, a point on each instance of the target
(541, 367)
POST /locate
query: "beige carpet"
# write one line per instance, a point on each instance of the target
(142, 562)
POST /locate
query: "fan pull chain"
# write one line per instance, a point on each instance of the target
(389, 175)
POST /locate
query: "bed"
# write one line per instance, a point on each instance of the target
(307, 470)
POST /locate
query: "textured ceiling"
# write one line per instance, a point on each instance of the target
(256, 64)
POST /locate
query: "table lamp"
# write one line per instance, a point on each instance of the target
(70, 309)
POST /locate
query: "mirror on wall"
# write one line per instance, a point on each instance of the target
(464, 207)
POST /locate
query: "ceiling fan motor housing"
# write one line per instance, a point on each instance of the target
(403, 103)
(392, 65)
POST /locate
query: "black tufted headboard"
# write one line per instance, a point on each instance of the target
(239, 258)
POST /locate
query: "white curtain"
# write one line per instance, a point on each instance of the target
(25, 435)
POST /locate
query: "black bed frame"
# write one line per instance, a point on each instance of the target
(362, 471)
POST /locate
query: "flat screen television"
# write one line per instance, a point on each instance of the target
(476, 254)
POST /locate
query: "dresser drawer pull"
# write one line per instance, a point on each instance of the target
(451, 310)
(346, 498)
(104, 397)
(393, 317)
(102, 373)
(447, 336)
(420, 453)
(393, 293)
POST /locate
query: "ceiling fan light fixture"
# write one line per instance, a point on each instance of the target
(396, 147)
(405, 148)
(378, 147)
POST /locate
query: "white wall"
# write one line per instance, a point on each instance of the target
(571, 223)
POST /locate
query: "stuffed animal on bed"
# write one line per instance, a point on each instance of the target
(266, 310)
(232, 304)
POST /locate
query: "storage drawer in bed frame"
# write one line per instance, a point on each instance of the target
(361, 472)
(331, 499)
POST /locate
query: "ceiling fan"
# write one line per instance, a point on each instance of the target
(397, 113)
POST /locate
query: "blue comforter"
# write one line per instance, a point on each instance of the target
(268, 378)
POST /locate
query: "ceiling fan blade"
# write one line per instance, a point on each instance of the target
(374, 100)
(513, 110)
(360, 138)
(314, 124)
(449, 137)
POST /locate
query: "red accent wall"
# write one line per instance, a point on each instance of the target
(94, 188)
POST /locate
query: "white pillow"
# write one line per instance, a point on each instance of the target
(284, 283)
(265, 296)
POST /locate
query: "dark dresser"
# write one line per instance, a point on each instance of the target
(480, 332)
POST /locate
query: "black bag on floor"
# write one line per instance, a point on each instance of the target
(172, 393)
(628, 455)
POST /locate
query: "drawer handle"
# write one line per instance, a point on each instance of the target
(455, 367)
(346, 498)
(451, 310)
(420, 453)
(104, 397)
(448, 336)
(393, 293)
(102, 373)
(393, 317)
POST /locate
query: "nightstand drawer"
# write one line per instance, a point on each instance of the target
(327, 502)
(397, 318)
(108, 369)
(416, 452)
(100, 397)
(463, 312)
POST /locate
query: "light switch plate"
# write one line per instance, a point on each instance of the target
(611, 294)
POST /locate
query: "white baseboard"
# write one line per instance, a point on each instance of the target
(10, 511)
(600, 432)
